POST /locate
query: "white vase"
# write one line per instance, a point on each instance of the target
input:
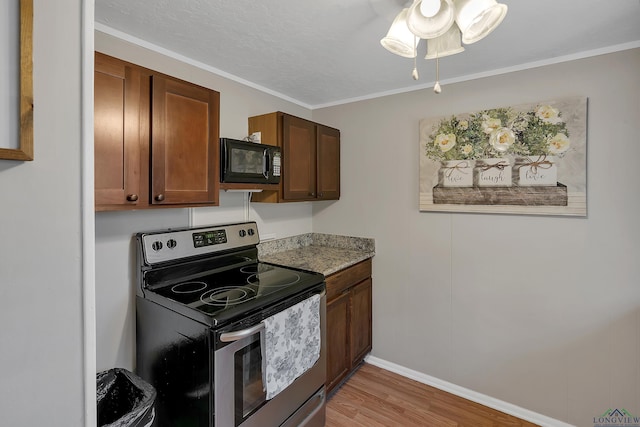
(535, 171)
(456, 173)
(494, 172)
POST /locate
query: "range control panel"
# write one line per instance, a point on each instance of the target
(208, 238)
(172, 245)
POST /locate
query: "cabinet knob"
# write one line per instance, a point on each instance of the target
(159, 197)
(320, 194)
(312, 194)
(132, 197)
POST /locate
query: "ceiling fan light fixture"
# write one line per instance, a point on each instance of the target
(445, 24)
(478, 18)
(399, 39)
(429, 8)
(447, 44)
(430, 27)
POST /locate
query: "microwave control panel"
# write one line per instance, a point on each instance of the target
(276, 164)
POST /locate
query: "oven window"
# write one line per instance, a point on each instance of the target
(249, 388)
(246, 161)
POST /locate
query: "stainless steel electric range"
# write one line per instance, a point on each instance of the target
(201, 301)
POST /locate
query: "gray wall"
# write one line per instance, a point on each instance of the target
(544, 313)
(541, 312)
(41, 331)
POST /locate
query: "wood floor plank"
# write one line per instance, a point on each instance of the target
(375, 397)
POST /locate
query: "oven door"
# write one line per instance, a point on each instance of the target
(239, 393)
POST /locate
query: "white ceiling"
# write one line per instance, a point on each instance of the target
(326, 52)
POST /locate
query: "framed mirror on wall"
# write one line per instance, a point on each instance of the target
(16, 80)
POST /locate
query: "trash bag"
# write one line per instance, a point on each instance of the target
(124, 399)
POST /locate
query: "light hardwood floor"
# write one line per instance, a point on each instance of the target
(374, 397)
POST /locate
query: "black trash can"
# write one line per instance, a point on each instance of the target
(124, 399)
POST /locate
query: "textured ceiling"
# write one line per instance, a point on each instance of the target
(326, 52)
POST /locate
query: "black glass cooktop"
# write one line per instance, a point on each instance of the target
(226, 294)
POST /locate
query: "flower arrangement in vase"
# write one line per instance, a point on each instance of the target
(455, 145)
(487, 142)
(543, 140)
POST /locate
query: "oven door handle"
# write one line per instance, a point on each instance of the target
(243, 333)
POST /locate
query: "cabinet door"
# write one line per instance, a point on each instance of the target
(338, 358)
(116, 132)
(328, 163)
(184, 143)
(299, 159)
(360, 320)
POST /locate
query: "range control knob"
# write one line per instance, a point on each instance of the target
(171, 243)
(242, 233)
(157, 245)
(251, 232)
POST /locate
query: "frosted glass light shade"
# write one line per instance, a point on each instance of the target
(478, 18)
(429, 8)
(399, 39)
(447, 44)
(430, 27)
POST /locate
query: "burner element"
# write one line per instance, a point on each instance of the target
(227, 295)
(266, 280)
(249, 269)
(188, 287)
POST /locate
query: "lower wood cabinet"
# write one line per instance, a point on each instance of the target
(349, 304)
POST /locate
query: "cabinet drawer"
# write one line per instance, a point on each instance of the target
(338, 282)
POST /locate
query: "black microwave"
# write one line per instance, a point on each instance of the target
(248, 162)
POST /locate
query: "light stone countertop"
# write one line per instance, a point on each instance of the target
(322, 253)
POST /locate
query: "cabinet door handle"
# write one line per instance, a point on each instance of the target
(159, 197)
(132, 197)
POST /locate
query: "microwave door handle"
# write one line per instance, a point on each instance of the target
(266, 164)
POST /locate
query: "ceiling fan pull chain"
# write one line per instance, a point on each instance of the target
(414, 73)
(436, 87)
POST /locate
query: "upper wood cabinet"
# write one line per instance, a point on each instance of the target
(116, 133)
(298, 158)
(310, 158)
(328, 163)
(156, 139)
(184, 143)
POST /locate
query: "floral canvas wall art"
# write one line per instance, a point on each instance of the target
(527, 159)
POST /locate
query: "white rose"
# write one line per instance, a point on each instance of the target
(502, 139)
(445, 141)
(548, 114)
(490, 125)
(467, 149)
(464, 125)
(559, 144)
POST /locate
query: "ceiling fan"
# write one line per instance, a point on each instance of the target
(445, 25)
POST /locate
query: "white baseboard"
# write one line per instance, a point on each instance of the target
(471, 395)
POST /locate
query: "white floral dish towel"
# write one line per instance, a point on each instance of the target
(291, 344)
